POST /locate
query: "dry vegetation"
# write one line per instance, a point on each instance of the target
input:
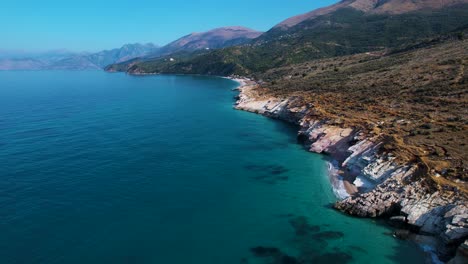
(417, 99)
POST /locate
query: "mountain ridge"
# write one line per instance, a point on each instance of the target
(343, 32)
(213, 39)
(371, 6)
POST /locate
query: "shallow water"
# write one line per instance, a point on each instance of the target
(111, 168)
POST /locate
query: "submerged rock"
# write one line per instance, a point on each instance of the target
(273, 255)
(265, 251)
(328, 235)
(358, 249)
(302, 226)
(331, 258)
(270, 174)
(402, 234)
(289, 260)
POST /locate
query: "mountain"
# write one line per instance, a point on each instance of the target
(213, 39)
(64, 60)
(349, 27)
(20, 64)
(372, 7)
(76, 62)
(24, 60)
(196, 42)
(126, 52)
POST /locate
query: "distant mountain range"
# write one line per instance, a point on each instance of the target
(188, 45)
(348, 27)
(124, 53)
(60, 60)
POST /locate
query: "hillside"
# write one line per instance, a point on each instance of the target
(213, 39)
(417, 97)
(126, 52)
(342, 32)
(371, 6)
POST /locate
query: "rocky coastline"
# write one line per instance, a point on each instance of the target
(377, 182)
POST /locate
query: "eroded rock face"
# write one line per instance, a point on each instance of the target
(398, 191)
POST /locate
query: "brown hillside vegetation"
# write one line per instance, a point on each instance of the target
(372, 6)
(416, 98)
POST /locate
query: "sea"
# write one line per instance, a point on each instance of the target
(100, 167)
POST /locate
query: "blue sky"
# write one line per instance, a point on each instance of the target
(92, 25)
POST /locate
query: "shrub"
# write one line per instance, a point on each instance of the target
(426, 126)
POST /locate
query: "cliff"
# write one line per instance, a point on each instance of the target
(399, 189)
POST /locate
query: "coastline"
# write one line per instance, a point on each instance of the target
(369, 182)
(341, 181)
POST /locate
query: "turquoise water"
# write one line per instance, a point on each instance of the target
(110, 168)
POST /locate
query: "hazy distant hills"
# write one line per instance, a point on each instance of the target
(21, 64)
(22, 60)
(127, 52)
(61, 60)
(348, 27)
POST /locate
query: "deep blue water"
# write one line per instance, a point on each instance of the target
(110, 168)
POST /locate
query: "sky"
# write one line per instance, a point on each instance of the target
(93, 25)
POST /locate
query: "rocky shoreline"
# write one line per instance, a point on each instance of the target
(393, 189)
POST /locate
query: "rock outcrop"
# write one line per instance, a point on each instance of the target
(401, 190)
